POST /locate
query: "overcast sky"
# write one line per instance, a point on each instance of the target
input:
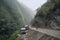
(33, 4)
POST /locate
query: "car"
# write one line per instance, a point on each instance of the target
(23, 30)
(27, 27)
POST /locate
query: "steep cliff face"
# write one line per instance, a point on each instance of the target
(48, 16)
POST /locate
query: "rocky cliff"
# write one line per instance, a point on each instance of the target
(48, 16)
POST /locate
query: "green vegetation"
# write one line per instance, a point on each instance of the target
(10, 19)
(48, 7)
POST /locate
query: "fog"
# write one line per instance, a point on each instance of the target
(33, 4)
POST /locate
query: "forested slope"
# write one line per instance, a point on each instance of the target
(10, 19)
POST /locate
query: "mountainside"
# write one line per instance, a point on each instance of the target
(10, 19)
(48, 16)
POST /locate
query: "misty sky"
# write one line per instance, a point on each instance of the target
(33, 4)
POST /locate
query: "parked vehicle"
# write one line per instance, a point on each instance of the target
(24, 29)
(27, 27)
